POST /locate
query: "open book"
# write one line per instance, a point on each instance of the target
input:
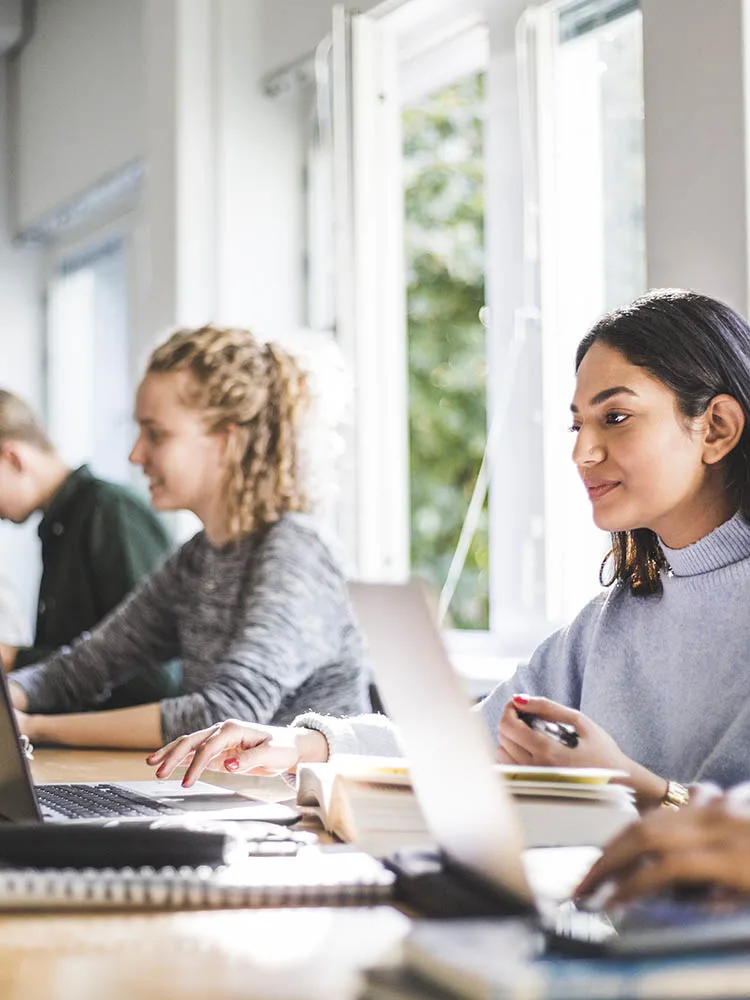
(369, 801)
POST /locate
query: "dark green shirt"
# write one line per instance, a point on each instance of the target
(98, 541)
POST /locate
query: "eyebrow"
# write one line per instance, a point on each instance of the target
(605, 394)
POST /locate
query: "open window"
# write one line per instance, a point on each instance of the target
(488, 202)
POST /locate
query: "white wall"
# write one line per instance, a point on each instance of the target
(79, 100)
(260, 192)
(20, 361)
(696, 168)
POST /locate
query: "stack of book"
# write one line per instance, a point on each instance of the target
(369, 801)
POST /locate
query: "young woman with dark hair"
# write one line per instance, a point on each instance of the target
(653, 672)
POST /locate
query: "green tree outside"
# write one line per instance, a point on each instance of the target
(444, 207)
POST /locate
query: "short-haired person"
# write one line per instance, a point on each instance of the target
(653, 672)
(255, 606)
(98, 542)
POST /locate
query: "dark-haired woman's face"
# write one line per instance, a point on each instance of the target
(640, 462)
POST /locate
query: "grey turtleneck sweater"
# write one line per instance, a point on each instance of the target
(667, 676)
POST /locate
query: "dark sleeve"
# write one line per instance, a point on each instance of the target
(126, 542)
(140, 634)
(290, 625)
(31, 654)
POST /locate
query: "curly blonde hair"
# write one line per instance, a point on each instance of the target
(257, 391)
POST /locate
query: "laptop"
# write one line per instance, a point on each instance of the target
(470, 813)
(23, 801)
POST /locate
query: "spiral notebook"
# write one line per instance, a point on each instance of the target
(312, 878)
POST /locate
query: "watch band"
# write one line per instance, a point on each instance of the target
(675, 796)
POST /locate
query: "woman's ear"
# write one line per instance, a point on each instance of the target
(724, 422)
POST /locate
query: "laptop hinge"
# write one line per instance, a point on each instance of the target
(435, 885)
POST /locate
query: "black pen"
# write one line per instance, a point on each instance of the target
(563, 732)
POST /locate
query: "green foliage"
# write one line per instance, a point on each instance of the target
(444, 202)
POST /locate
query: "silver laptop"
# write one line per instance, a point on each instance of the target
(469, 812)
(22, 800)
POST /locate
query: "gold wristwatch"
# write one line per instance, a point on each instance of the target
(675, 796)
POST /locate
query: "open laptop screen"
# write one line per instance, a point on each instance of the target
(17, 796)
(468, 811)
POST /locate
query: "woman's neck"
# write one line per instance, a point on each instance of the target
(215, 523)
(692, 525)
(217, 534)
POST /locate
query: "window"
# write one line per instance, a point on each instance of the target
(505, 215)
(592, 231)
(443, 137)
(89, 384)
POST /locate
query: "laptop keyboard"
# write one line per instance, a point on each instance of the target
(97, 801)
(579, 925)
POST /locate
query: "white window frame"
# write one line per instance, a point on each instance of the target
(565, 513)
(371, 298)
(121, 227)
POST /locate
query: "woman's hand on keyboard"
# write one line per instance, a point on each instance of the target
(704, 845)
(238, 747)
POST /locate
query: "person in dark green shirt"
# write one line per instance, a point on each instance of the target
(98, 541)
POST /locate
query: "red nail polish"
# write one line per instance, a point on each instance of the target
(232, 764)
(521, 699)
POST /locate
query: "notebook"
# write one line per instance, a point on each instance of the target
(22, 800)
(471, 815)
(315, 877)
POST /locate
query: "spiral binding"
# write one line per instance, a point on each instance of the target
(182, 889)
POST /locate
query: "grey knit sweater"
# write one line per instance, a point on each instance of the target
(263, 628)
(667, 676)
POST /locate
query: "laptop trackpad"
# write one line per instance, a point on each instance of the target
(213, 802)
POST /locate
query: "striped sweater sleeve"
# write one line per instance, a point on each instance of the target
(288, 639)
(141, 632)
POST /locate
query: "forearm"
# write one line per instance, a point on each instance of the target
(122, 728)
(649, 787)
(359, 734)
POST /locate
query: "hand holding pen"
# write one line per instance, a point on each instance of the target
(563, 732)
(554, 736)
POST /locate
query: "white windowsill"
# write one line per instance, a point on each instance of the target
(483, 672)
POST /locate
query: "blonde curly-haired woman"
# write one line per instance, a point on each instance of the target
(256, 604)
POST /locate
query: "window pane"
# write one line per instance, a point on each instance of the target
(593, 253)
(444, 233)
(90, 395)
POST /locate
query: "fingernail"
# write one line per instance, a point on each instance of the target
(185, 782)
(232, 764)
(521, 699)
